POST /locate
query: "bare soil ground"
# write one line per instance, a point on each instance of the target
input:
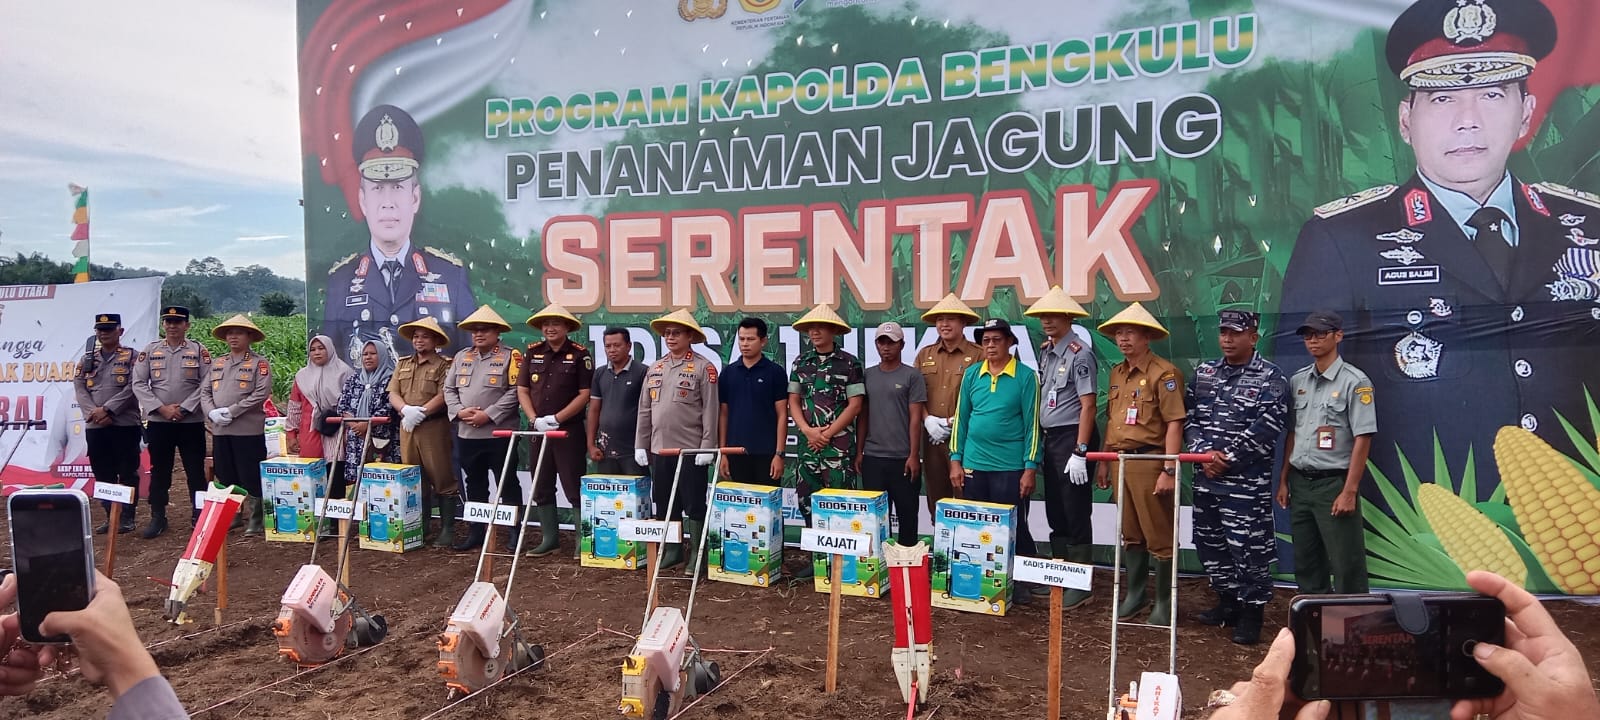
(770, 644)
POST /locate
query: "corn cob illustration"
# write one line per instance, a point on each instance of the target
(1469, 537)
(1557, 508)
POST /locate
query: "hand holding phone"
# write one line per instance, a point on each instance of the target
(52, 554)
(1392, 647)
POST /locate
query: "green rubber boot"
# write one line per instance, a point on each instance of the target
(691, 545)
(257, 524)
(1138, 564)
(549, 529)
(1161, 614)
(1084, 555)
(449, 505)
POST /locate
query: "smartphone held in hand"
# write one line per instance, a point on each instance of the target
(1392, 647)
(52, 555)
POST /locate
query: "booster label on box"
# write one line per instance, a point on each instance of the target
(745, 542)
(852, 511)
(972, 555)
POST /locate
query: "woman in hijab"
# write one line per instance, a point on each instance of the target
(366, 394)
(314, 397)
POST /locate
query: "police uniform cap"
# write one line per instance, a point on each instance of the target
(1238, 320)
(175, 312)
(998, 325)
(554, 310)
(952, 306)
(821, 315)
(485, 317)
(220, 332)
(1321, 321)
(426, 324)
(107, 321)
(1458, 44)
(387, 144)
(681, 318)
(1056, 302)
(1137, 316)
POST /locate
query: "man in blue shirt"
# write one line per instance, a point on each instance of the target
(755, 409)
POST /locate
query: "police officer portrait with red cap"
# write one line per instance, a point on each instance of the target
(392, 279)
(1469, 293)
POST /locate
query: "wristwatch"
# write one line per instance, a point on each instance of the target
(1081, 449)
(1170, 470)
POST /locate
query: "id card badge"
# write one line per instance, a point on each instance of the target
(1132, 416)
(1325, 438)
(1050, 400)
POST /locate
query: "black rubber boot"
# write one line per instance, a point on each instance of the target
(157, 524)
(448, 505)
(127, 524)
(1225, 614)
(1248, 631)
(257, 523)
(470, 541)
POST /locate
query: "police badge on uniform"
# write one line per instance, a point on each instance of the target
(1417, 356)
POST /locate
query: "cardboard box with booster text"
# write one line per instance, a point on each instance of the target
(290, 487)
(393, 496)
(745, 542)
(605, 501)
(972, 549)
(856, 511)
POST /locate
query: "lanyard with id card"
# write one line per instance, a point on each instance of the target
(1132, 415)
(1325, 437)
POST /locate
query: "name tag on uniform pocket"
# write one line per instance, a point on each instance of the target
(1325, 438)
(1050, 402)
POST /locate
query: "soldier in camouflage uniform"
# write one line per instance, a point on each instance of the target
(1238, 409)
(826, 391)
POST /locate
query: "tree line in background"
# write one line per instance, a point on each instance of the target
(205, 286)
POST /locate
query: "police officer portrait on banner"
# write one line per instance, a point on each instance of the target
(1457, 282)
(395, 278)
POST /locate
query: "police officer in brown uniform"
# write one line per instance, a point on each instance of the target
(416, 390)
(104, 387)
(554, 393)
(942, 365)
(481, 392)
(166, 379)
(1144, 398)
(239, 385)
(678, 409)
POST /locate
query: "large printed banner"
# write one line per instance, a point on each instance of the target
(761, 156)
(44, 331)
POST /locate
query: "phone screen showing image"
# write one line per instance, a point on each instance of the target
(1366, 654)
(50, 560)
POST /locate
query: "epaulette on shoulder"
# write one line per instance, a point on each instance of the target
(442, 255)
(1587, 198)
(578, 345)
(343, 262)
(1351, 202)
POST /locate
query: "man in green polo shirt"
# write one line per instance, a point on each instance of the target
(1331, 427)
(994, 439)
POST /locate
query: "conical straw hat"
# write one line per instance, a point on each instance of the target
(950, 305)
(1056, 302)
(554, 310)
(824, 315)
(485, 316)
(682, 318)
(238, 321)
(429, 324)
(1134, 314)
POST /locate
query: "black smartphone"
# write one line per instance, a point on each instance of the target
(52, 555)
(1353, 647)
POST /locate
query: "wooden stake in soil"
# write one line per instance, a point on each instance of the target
(344, 553)
(222, 583)
(112, 531)
(835, 577)
(1053, 666)
(1057, 574)
(650, 560)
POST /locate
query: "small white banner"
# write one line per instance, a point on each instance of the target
(648, 530)
(113, 493)
(339, 509)
(836, 543)
(482, 512)
(200, 500)
(1053, 572)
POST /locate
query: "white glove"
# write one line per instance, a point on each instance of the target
(219, 417)
(1078, 470)
(411, 417)
(641, 458)
(703, 459)
(938, 429)
(408, 422)
(546, 423)
(227, 413)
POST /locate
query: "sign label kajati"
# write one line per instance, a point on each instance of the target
(836, 543)
(1053, 572)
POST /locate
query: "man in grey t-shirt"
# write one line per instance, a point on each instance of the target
(614, 406)
(887, 458)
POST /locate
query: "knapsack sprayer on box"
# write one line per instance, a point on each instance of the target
(665, 665)
(319, 613)
(482, 640)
